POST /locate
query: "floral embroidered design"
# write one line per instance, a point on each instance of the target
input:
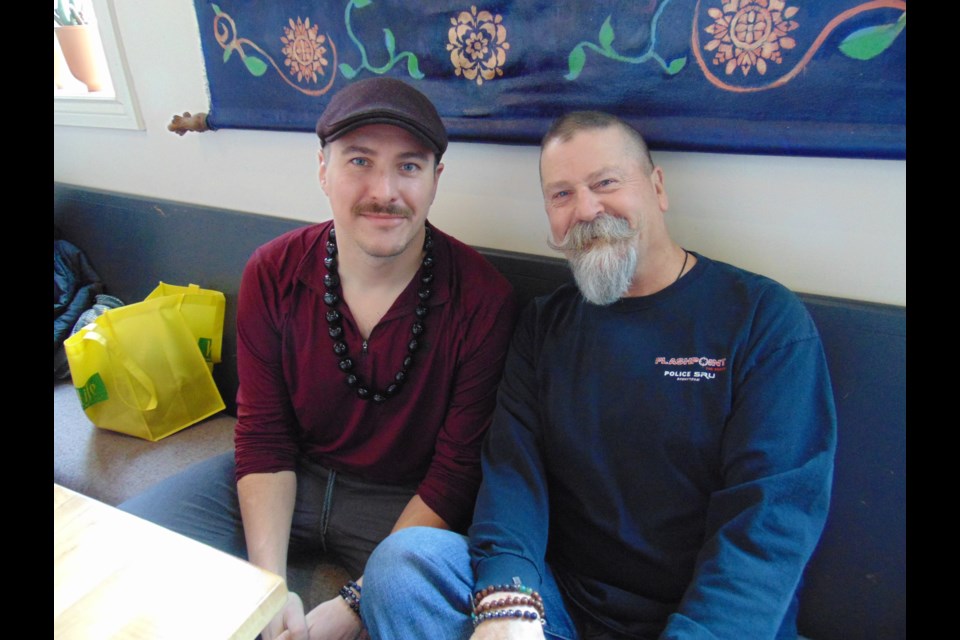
(748, 33)
(478, 45)
(304, 50)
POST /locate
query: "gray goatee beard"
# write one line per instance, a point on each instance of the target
(602, 256)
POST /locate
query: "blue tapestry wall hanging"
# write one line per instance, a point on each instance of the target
(786, 77)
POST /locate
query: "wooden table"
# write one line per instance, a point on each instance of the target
(118, 576)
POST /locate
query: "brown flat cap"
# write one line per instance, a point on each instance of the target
(382, 101)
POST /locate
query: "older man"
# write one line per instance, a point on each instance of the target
(661, 455)
(369, 353)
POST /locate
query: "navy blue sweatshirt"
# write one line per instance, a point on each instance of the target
(669, 456)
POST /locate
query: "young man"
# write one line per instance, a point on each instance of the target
(661, 455)
(369, 353)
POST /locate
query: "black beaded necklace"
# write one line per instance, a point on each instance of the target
(331, 280)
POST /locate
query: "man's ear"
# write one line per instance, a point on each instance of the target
(436, 180)
(659, 188)
(323, 171)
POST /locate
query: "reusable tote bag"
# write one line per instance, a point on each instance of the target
(138, 370)
(203, 310)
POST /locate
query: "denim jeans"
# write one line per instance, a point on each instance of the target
(418, 585)
(334, 513)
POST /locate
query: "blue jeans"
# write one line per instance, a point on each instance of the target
(418, 584)
(334, 513)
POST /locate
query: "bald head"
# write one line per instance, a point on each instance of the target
(565, 127)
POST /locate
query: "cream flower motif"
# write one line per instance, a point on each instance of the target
(478, 45)
(748, 33)
(304, 50)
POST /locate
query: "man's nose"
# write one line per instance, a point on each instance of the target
(587, 206)
(383, 187)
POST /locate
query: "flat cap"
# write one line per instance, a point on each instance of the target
(383, 101)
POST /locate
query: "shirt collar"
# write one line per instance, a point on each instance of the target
(311, 271)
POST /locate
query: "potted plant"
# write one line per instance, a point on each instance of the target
(77, 42)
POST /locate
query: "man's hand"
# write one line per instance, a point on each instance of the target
(289, 623)
(508, 630)
(333, 620)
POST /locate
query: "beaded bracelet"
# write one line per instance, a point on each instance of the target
(510, 601)
(350, 592)
(506, 613)
(516, 587)
(498, 608)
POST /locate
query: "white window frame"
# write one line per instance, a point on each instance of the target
(118, 112)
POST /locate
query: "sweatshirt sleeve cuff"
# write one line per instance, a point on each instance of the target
(503, 568)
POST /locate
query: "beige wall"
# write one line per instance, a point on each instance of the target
(819, 225)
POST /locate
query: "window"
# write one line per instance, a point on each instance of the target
(114, 104)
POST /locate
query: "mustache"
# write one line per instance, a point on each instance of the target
(389, 209)
(604, 227)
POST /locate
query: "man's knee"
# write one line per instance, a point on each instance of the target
(200, 502)
(413, 544)
(416, 553)
(432, 566)
(212, 476)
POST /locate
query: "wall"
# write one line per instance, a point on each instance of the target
(819, 225)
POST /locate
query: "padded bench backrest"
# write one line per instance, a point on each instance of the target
(133, 243)
(856, 585)
(856, 582)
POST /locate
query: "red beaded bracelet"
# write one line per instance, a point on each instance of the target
(510, 601)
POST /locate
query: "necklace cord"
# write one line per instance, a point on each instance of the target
(686, 254)
(331, 282)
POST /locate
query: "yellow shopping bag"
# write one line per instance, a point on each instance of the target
(203, 310)
(137, 370)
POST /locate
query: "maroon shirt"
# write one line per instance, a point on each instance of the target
(293, 399)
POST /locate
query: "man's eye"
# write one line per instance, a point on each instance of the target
(606, 182)
(360, 162)
(560, 194)
(409, 166)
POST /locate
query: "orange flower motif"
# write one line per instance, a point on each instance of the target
(748, 33)
(304, 50)
(478, 45)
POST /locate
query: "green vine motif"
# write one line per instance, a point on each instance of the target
(869, 42)
(578, 56)
(413, 65)
(225, 32)
(256, 66)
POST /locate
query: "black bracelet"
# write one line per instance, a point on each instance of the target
(350, 592)
(515, 614)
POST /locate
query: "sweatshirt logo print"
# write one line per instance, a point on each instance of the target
(691, 368)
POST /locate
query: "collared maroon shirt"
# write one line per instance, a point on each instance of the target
(293, 399)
